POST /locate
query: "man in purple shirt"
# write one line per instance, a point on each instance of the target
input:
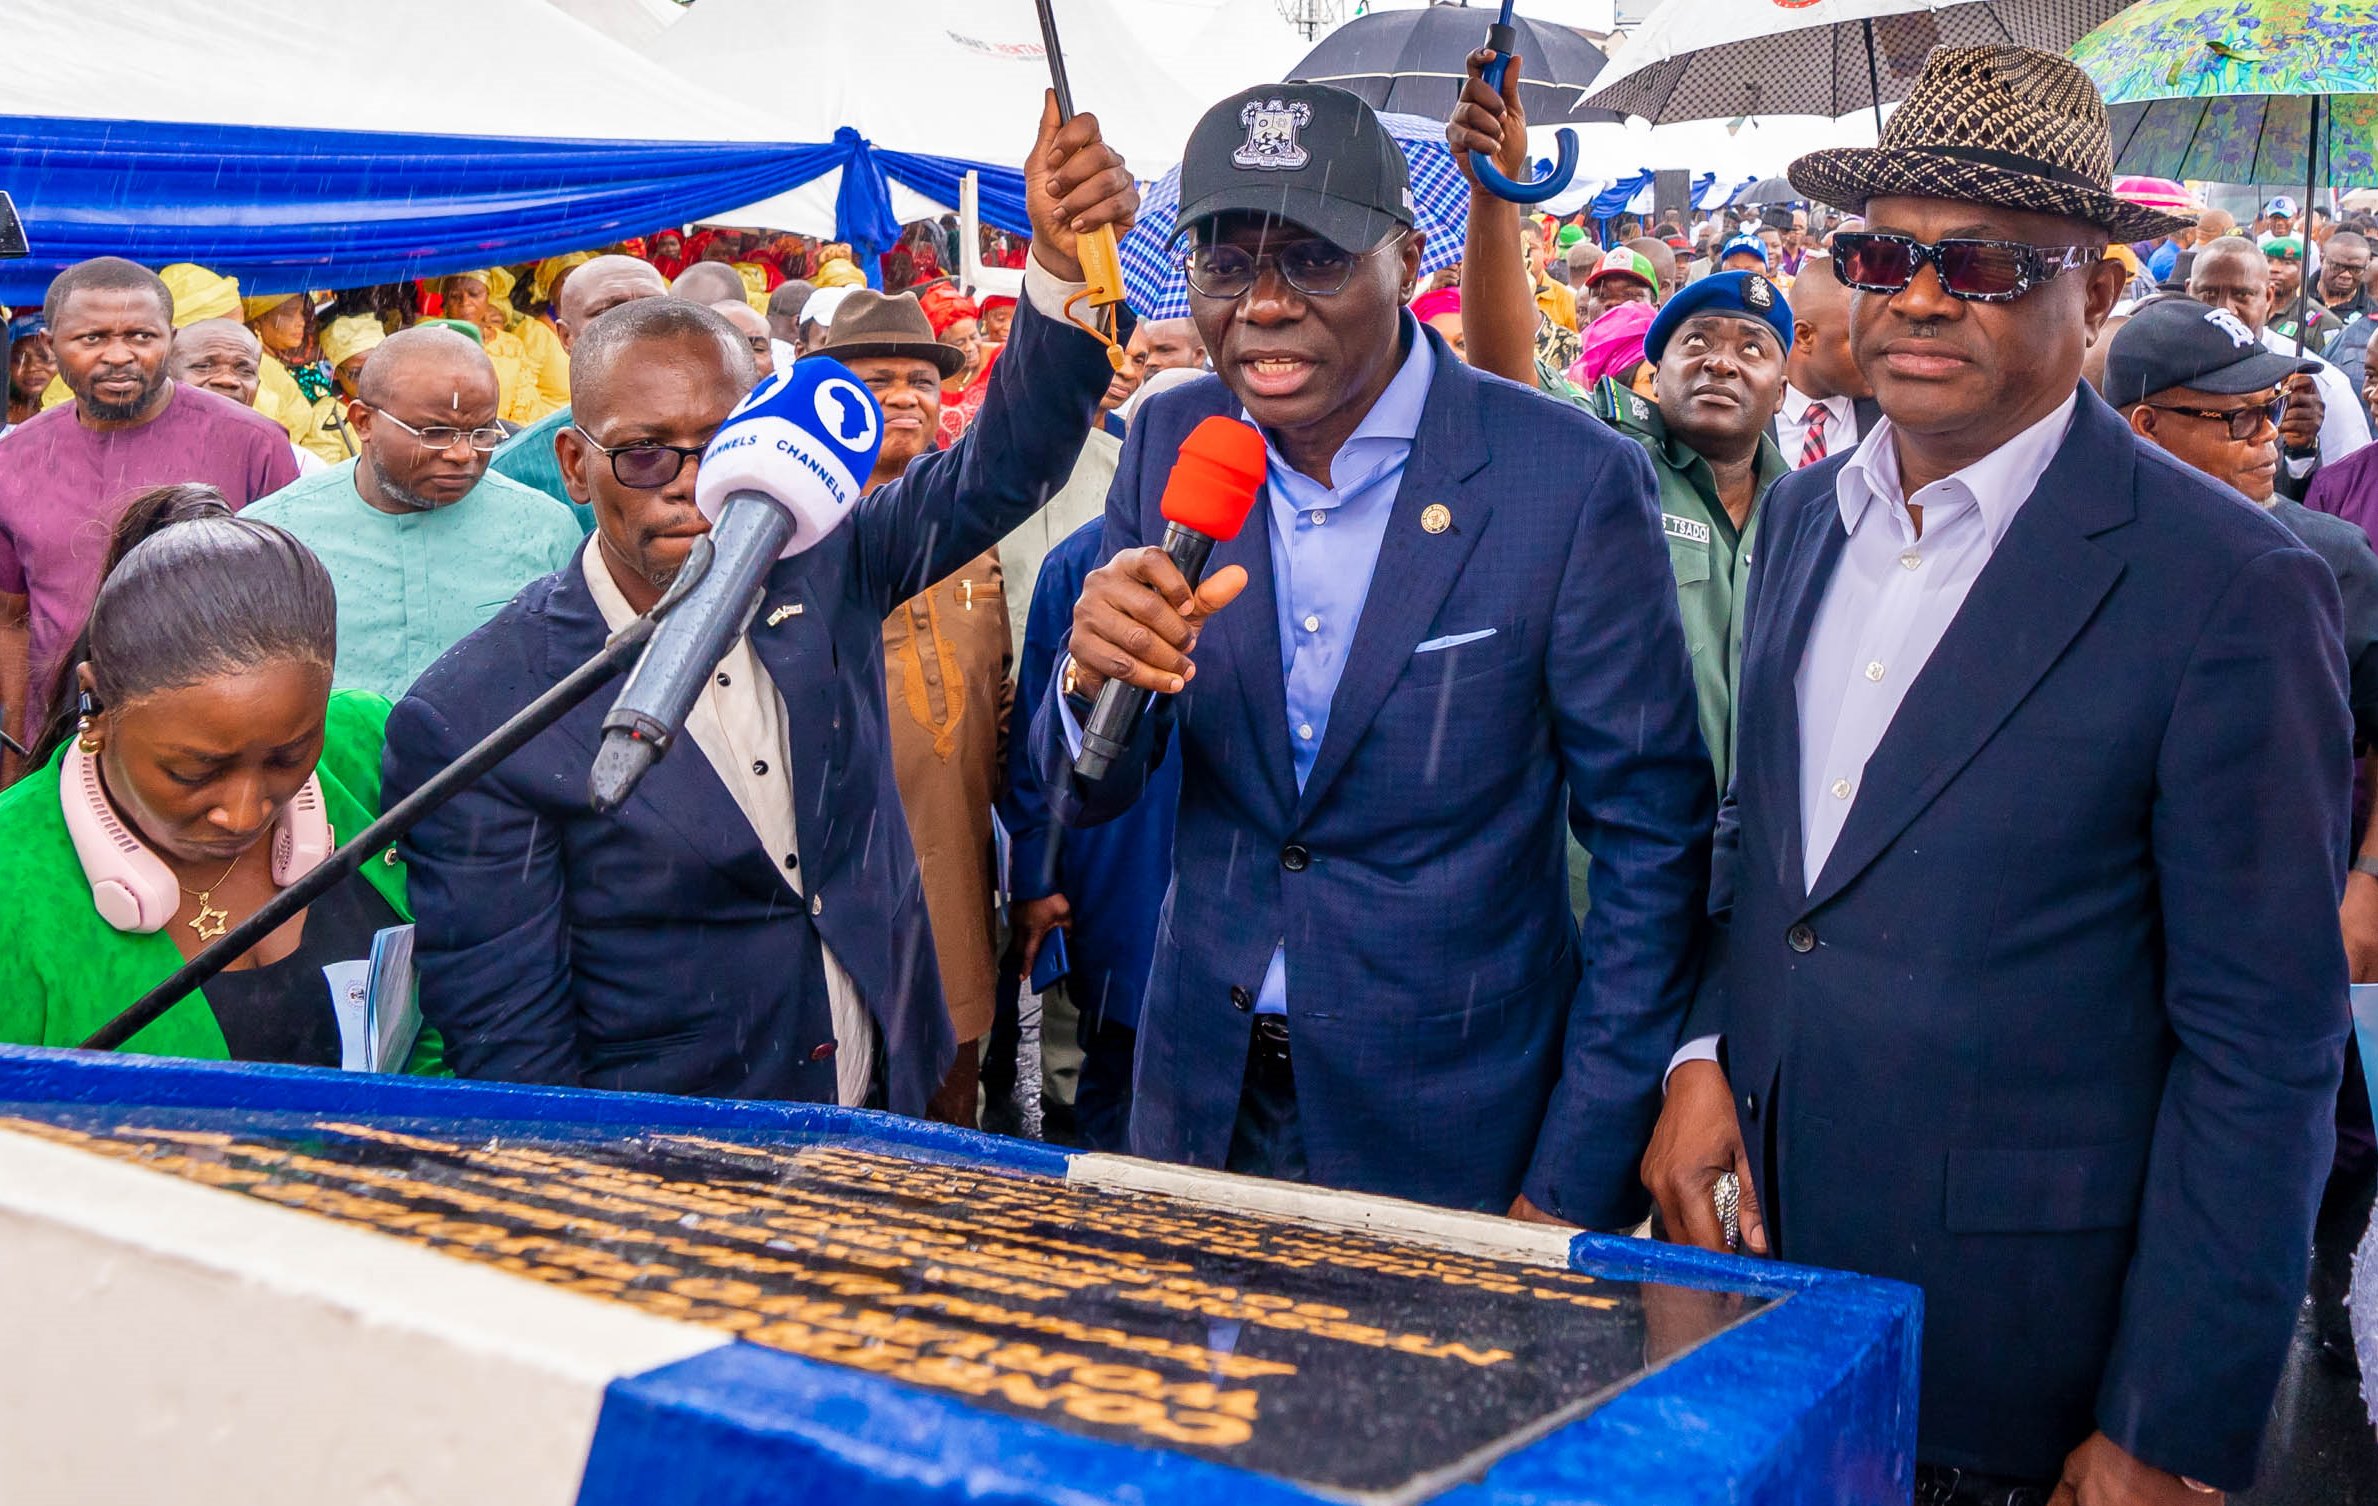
(65, 474)
(2349, 488)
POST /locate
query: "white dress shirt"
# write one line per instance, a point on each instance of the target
(1791, 424)
(1890, 600)
(740, 713)
(2343, 428)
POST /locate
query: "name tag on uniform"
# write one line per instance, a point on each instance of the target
(1684, 528)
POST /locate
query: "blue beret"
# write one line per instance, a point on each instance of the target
(1745, 293)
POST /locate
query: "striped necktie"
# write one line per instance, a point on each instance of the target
(1812, 448)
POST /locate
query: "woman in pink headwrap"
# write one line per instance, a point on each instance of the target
(1612, 346)
(1440, 310)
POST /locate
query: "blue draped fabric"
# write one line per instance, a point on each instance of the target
(287, 209)
(1612, 202)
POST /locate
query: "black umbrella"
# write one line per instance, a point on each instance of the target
(1769, 191)
(1412, 62)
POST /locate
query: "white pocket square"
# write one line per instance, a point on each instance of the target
(1453, 640)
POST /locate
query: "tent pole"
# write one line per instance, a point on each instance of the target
(1874, 82)
(970, 233)
(2303, 292)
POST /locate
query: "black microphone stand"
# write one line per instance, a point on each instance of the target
(617, 653)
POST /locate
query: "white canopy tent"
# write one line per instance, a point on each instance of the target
(952, 78)
(633, 23)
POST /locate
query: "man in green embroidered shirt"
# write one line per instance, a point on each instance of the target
(422, 541)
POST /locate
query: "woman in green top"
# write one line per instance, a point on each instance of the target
(197, 720)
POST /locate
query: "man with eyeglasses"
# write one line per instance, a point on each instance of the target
(2193, 381)
(422, 542)
(2027, 986)
(1459, 629)
(592, 289)
(751, 923)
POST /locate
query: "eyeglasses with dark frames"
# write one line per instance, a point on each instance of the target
(2243, 423)
(1313, 266)
(645, 465)
(1978, 271)
(444, 438)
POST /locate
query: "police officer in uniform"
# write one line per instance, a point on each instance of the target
(1717, 350)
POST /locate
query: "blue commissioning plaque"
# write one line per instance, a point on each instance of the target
(951, 1276)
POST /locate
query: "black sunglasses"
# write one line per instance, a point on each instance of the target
(1975, 270)
(646, 465)
(2244, 423)
(1314, 267)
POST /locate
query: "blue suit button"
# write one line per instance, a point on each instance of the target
(1295, 858)
(1750, 1104)
(1240, 999)
(1801, 939)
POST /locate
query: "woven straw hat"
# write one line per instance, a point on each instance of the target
(1992, 125)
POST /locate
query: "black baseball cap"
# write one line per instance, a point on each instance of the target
(2179, 342)
(1306, 153)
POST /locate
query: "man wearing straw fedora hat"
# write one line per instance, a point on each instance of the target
(2028, 987)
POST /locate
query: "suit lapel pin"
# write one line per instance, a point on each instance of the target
(789, 609)
(1435, 518)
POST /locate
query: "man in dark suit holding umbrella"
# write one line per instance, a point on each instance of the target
(2030, 989)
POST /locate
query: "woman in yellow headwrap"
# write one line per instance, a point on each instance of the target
(840, 272)
(484, 297)
(293, 384)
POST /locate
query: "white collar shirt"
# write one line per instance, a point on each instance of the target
(1791, 424)
(1891, 598)
(738, 723)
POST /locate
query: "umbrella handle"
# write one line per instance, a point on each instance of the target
(1500, 37)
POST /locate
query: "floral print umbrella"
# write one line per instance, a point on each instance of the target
(2236, 91)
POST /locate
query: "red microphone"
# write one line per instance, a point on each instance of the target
(1206, 499)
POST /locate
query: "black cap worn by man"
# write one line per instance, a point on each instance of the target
(1258, 158)
(2179, 342)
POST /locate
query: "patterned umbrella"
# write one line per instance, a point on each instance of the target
(1411, 62)
(1716, 59)
(1159, 289)
(2234, 91)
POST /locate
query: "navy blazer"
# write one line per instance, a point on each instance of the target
(659, 948)
(1452, 1042)
(2057, 1032)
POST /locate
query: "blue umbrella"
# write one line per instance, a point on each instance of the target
(1440, 206)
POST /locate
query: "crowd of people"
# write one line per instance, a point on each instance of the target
(1842, 731)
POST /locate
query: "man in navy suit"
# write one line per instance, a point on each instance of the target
(2030, 989)
(750, 923)
(1459, 626)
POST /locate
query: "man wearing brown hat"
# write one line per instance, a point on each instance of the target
(946, 652)
(2029, 987)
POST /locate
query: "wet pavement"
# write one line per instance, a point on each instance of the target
(2322, 1450)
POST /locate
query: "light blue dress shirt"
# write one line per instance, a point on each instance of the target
(1325, 546)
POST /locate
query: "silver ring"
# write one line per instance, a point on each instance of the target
(1726, 1193)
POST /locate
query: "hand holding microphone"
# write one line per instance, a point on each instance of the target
(782, 472)
(1140, 613)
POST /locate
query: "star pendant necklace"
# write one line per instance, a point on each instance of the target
(210, 921)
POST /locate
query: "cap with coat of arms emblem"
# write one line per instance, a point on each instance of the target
(1304, 153)
(1744, 295)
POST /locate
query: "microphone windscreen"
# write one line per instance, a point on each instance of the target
(806, 438)
(1213, 484)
